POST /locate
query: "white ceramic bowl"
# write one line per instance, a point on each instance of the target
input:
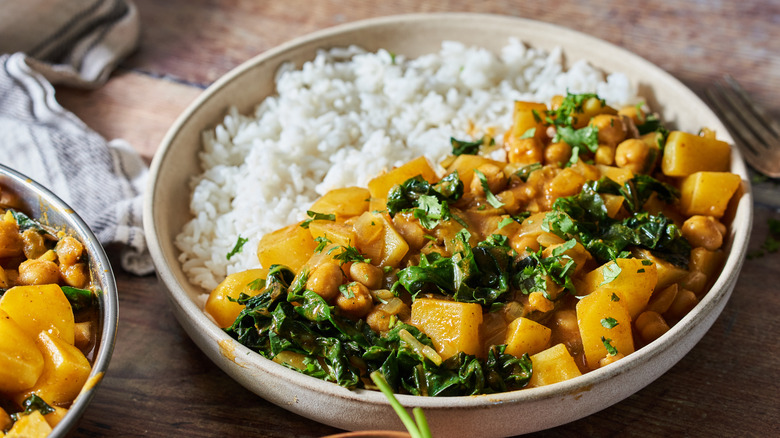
(166, 211)
(50, 210)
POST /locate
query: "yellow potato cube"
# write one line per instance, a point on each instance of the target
(465, 165)
(452, 326)
(706, 261)
(526, 336)
(600, 318)
(553, 365)
(617, 174)
(21, 362)
(380, 186)
(337, 232)
(523, 118)
(218, 304)
(668, 273)
(632, 279)
(685, 154)
(33, 425)
(65, 370)
(708, 193)
(377, 239)
(40, 307)
(345, 202)
(290, 246)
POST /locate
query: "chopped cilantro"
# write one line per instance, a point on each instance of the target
(529, 133)
(611, 272)
(314, 216)
(608, 345)
(524, 172)
(491, 198)
(460, 147)
(614, 297)
(346, 290)
(256, 284)
(609, 322)
(349, 254)
(504, 222)
(237, 247)
(322, 242)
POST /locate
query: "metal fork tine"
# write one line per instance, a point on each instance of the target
(732, 121)
(750, 121)
(769, 122)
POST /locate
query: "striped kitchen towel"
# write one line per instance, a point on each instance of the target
(77, 43)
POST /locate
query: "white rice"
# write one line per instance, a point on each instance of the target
(346, 116)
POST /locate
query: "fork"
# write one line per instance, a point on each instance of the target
(757, 136)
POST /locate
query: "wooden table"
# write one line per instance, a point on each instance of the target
(160, 384)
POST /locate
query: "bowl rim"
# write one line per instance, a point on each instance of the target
(108, 296)
(714, 300)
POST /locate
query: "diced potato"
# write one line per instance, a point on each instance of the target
(380, 186)
(668, 273)
(11, 243)
(65, 371)
(708, 193)
(337, 232)
(220, 307)
(377, 239)
(553, 365)
(40, 307)
(452, 326)
(290, 246)
(21, 362)
(526, 336)
(54, 418)
(634, 282)
(685, 154)
(523, 119)
(33, 425)
(600, 316)
(465, 165)
(345, 202)
(617, 174)
(613, 204)
(705, 261)
(566, 183)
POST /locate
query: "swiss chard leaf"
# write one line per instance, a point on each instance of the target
(79, 299)
(460, 147)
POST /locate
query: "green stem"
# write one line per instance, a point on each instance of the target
(379, 380)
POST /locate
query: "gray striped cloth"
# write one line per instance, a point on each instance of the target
(77, 43)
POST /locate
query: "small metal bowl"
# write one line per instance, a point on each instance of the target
(48, 209)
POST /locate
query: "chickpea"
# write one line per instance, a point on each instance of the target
(367, 274)
(494, 175)
(605, 155)
(69, 250)
(611, 128)
(651, 325)
(325, 280)
(557, 153)
(633, 154)
(524, 150)
(608, 359)
(35, 271)
(34, 246)
(703, 231)
(378, 320)
(75, 275)
(11, 243)
(682, 304)
(358, 303)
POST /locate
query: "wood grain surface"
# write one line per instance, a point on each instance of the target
(160, 384)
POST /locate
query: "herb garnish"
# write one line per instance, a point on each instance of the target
(237, 247)
(428, 202)
(33, 403)
(460, 147)
(491, 198)
(314, 216)
(348, 254)
(609, 322)
(322, 242)
(79, 299)
(611, 272)
(608, 345)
